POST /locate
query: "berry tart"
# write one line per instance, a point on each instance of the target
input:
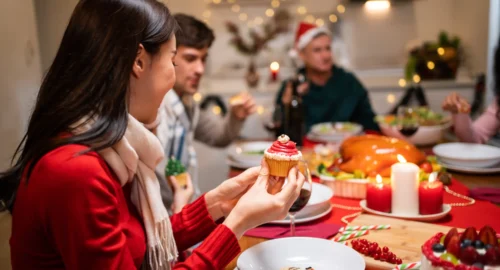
(468, 250)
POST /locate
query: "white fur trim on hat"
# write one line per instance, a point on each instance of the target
(309, 35)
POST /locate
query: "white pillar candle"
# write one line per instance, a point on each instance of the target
(404, 181)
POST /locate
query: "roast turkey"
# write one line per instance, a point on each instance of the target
(375, 154)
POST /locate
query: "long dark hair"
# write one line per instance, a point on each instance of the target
(89, 77)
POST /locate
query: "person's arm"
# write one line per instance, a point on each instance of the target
(485, 127)
(216, 131)
(192, 224)
(363, 113)
(215, 253)
(84, 215)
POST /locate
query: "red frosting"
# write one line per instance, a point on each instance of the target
(289, 148)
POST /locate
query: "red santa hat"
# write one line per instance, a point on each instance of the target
(306, 32)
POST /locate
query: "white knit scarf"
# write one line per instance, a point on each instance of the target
(134, 159)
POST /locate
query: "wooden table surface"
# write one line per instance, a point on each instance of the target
(469, 180)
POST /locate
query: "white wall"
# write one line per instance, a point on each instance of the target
(52, 18)
(20, 73)
(19, 81)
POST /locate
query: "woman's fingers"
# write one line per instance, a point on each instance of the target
(289, 190)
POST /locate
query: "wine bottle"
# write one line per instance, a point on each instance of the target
(294, 125)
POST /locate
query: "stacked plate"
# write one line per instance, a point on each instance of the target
(469, 157)
(244, 155)
(334, 132)
(317, 207)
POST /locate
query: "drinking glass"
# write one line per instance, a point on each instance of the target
(407, 121)
(305, 194)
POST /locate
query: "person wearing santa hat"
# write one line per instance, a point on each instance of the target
(330, 93)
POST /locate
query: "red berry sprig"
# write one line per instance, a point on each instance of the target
(372, 249)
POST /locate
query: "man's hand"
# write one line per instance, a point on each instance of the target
(242, 106)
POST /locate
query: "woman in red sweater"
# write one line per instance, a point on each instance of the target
(86, 193)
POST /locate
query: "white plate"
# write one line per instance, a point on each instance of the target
(468, 154)
(446, 210)
(464, 169)
(303, 252)
(299, 219)
(241, 165)
(237, 151)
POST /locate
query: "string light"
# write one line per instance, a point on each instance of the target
(391, 98)
(236, 8)
(258, 20)
(197, 97)
(440, 51)
(275, 3)
(243, 16)
(341, 8)
(402, 82)
(216, 110)
(216, 1)
(269, 12)
(333, 18)
(301, 10)
(416, 78)
(320, 22)
(430, 65)
(231, 1)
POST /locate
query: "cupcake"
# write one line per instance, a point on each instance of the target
(175, 168)
(281, 156)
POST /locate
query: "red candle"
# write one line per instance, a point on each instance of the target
(379, 196)
(275, 67)
(430, 196)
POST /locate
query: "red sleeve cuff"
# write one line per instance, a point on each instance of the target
(192, 224)
(221, 246)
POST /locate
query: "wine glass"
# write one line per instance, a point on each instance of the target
(305, 194)
(407, 121)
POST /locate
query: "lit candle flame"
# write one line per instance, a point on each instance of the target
(378, 179)
(432, 177)
(401, 159)
(275, 66)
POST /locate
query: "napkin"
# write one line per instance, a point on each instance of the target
(320, 230)
(486, 194)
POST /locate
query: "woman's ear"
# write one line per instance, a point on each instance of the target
(139, 62)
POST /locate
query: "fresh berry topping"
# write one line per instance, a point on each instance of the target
(438, 248)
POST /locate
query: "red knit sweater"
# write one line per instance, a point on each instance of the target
(73, 214)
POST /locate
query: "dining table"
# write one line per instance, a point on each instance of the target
(462, 215)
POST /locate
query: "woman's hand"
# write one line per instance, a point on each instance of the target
(182, 194)
(257, 206)
(221, 200)
(456, 104)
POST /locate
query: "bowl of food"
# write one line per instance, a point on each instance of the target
(333, 132)
(300, 253)
(431, 126)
